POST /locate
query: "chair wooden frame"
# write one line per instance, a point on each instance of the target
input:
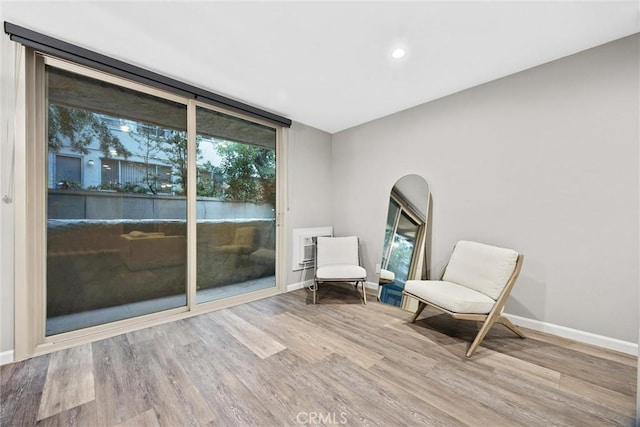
(494, 316)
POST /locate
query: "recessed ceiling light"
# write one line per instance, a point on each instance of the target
(398, 53)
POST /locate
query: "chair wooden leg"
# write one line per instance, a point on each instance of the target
(506, 322)
(364, 294)
(481, 334)
(421, 307)
(315, 291)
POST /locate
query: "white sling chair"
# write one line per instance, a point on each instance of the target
(338, 260)
(475, 286)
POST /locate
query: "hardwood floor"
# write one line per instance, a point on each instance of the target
(282, 361)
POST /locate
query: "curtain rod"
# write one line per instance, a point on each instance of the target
(71, 52)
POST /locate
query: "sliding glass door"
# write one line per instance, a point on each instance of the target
(154, 202)
(236, 216)
(116, 202)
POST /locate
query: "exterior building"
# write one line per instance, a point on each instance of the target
(148, 169)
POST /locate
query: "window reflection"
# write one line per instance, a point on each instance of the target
(235, 206)
(116, 214)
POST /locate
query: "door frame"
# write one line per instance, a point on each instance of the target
(30, 219)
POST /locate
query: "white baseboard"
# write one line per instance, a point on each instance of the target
(300, 285)
(575, 334)
(372, 285)
(6, 357)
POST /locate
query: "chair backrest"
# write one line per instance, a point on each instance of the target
(245, 236)
(481, 267)
(337, 250)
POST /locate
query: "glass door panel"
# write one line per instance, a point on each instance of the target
(116, 202)
(404, 241)
(400, 237)
(236, 197)
(392, 218)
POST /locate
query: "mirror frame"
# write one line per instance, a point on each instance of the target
(419, 265)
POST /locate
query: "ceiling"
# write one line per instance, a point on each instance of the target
(328, 64)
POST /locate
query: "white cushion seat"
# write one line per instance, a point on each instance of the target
(342, 271)
(450, 296)
(264, 256)
(475, 286)
(387, 276)
(338, 260)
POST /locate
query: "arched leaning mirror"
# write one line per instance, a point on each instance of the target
(405, 238)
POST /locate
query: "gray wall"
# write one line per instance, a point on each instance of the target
(309, 194)
(544, 161)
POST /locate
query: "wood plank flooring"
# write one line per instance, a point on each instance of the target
(282, 361)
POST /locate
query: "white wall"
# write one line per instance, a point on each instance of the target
(544, 161)
(7, 106)
(309, 193)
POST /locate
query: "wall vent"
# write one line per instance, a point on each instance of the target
(304, 240)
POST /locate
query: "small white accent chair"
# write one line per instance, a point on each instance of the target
(338, 260)
(474, 286)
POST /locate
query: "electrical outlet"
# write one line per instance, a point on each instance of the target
(378, 267)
